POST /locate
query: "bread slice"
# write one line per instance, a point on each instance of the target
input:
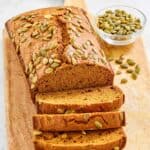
(80, 121)
(99, 99)
(113, 139)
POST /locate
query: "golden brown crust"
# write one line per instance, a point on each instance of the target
(81, 121)
(99, 144)
(55, 41)
(48, 107)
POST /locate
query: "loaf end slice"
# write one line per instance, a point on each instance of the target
(92, 140)
(99, 99)
(79, 122)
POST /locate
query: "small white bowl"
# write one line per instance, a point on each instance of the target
(115, 39)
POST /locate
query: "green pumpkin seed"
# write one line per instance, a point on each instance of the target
(98, 125)
(129, 70)
(118, 61)
(49, 70)
(124, 66)
(45, 61)
(118, 72)
(116, 148)
(55, 65)
(123, 81)
(130, 62)
(137, 69)
(134, 76)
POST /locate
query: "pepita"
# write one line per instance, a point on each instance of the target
(98, 125)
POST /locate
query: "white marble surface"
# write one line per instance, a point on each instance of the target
(9, 8)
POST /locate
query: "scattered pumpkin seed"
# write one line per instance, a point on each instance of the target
(118, 72)
(129, 70)
(34, 79)
(74, 61)
(134, 76)
(124, 66)
(123, 81)
(118, 61)
(130, 62)
(57, 61)
(32, 86)
(137, 69)
(98, 125)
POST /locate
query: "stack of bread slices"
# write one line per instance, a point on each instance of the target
(71, 81)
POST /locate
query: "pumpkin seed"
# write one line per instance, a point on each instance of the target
(124, 66)
(50, 61)
(123, 81)
(116, 148)
(32, 86)
(129, 70)
(34, 79)
(130, 62)
(48, 16)
(45, 61)
(98, 125)
(70, 111)
(134, 76)
(49, 70)
(118, 61)
(57, 61)
(38, 66)
(137, 69)
(118, 72)
(55, 65)
(74, 61)
(86, 117)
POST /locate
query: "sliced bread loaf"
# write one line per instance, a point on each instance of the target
(59, 50)
(81, 101)
(113, 139)
(80, 121)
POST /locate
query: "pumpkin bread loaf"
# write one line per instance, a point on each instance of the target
(99, 99)
(59, 50)
(111, 139)
(79, 122)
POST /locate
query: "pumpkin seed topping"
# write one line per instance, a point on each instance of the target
(55, 65)
(49, 70)
(116, 148)
(124, 66)
(118, 61)
(64, 136)
(48, 16)
(98, 125)
(45, 61)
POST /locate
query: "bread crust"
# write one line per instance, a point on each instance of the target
(79, 122)
(50, 108)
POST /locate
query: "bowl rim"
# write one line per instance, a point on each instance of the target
(126, 6)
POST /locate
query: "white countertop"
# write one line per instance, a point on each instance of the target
(9, 8)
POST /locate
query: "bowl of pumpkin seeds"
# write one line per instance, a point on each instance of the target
(120, 25)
